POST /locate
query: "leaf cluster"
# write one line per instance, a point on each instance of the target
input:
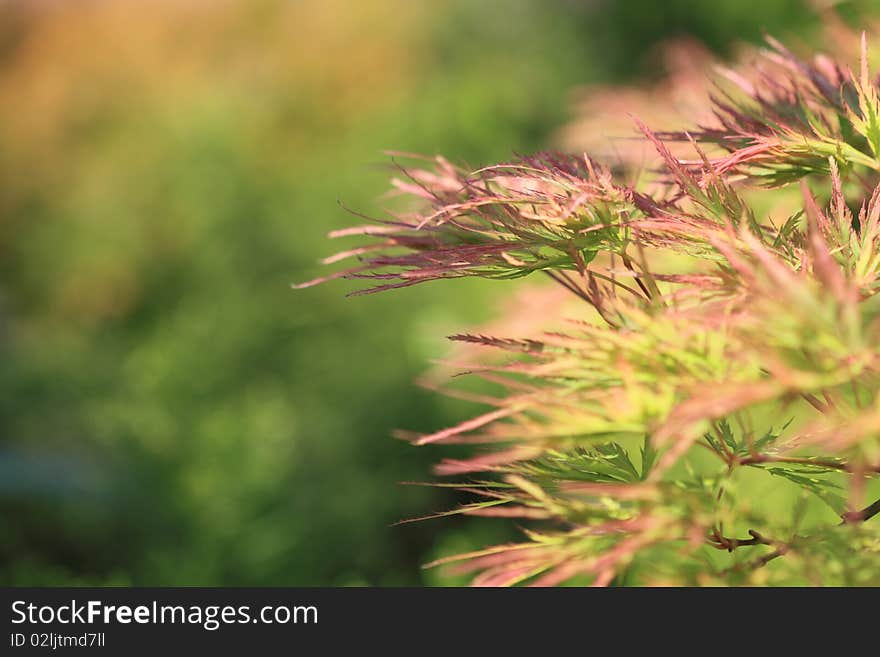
(638, 437)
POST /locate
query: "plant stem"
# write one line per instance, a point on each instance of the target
(861, 516)
(824, 463)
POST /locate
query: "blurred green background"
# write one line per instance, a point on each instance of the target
(171, 412)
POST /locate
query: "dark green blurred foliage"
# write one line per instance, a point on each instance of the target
(171, 411)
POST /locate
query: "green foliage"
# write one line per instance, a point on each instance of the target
(701, 322)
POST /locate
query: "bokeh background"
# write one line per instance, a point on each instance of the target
(171, 412)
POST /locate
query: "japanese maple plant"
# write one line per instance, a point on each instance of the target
(707, 409)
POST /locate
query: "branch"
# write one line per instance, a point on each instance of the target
(730, 544)
(636, 276)
(861, 516)
(815, 403)
(568, 285)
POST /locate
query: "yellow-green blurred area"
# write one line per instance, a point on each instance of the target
(171, 412)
